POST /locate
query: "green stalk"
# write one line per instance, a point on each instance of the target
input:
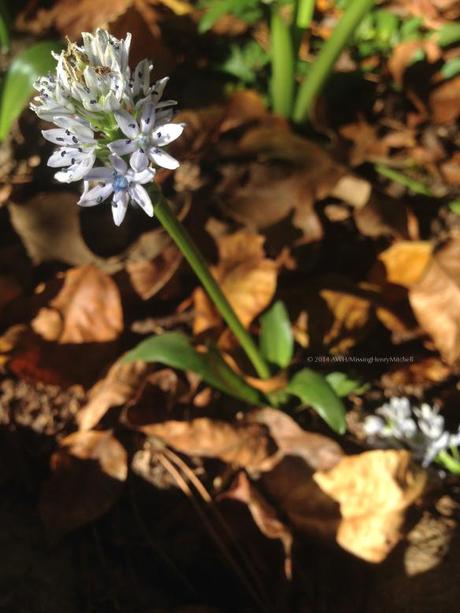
(283, 65)
(193, 256)
(415, 186)
(304, 14)
(327, 57)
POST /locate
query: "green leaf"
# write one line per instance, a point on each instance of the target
(276, 339)
(343, 385)
(454, 206)
(451, 68)
(18, 85)
(312, 389)
(449, 34)
(176, 350)
(213, 13)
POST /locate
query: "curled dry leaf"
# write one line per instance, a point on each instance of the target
(263, 513)
(88, 475)
(374, 490)
(87, 309)
(244, 445)
(246, 276)
(435, 300)
(404, 53)
(122, 385)
(148, 277)
(318, 451)
(288, 176)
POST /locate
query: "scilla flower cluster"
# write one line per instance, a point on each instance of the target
(105, 112)
(420, 429)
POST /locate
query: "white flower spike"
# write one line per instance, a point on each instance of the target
(105, 112)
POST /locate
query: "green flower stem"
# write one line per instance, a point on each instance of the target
(327, 57)
(282, 63)
(193, 256)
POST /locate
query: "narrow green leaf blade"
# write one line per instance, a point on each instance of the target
(18, 85)
(276, 339)
(176, 350)
(312, 389)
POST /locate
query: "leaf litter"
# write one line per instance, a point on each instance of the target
(369, 269)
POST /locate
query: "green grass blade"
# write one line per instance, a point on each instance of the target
(327, 57)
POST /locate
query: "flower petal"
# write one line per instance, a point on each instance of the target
(100, 173)
(119, 206)
(127, 123)
(140, 195)
(123, 146)
(147, 119)
(58, 136)
(165, 134)
(96, 195)
(118, 163)
(77, 171)
(146, 176)
(78, 126)
(163, 159)
(138, 161)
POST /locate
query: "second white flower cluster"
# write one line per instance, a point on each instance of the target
(106, 112)
(420, 429)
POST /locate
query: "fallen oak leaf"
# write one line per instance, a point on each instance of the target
(87, 309)
(374, 490)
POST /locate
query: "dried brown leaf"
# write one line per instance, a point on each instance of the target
(122, 385)
(87, 309)
(49, 227)
(405, 261)
(246, 276)
(264, 515)
(290, 174)
(88, 475)
(318, 451)
(374, 490)
(244, 445)
(404, 53)
(444, 101)
(435, 300)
